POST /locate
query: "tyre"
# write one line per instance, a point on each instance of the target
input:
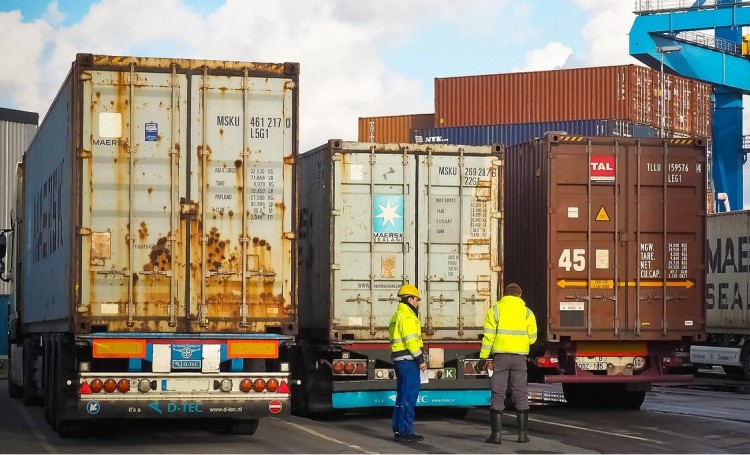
(632, 399)
(575, 395)
(14, 390)
(745, 359)
(30, 352)
(246, 427)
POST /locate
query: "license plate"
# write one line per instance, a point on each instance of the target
(185, 385)
(591, 365)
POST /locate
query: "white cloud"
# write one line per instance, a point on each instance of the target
(552, 56)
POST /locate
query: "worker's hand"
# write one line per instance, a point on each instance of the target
(481, 364)
(423, 366)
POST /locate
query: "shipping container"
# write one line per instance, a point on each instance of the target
(523, 132)
(17, 128)
(393, 128)
(628, 92)
(728, 291)
(606, 238)
(158, 211)
(376, 216)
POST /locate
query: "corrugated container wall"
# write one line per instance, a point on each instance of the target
(392, 129)
(611, 246)
(373, 216)
(626, 92)
(522, 132)
(17, 129)
(728, 293)
(159, 197)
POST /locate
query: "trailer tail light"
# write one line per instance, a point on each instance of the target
(225, 385)
(85, 389)
(123, 385)
(283, 388)
(471, 369)
(384, 373)
(272, 385)
(110, 385)
(259, 385)
(97, 385)
(246, 385)
(349, 367)
(144, 385)
(547, 362)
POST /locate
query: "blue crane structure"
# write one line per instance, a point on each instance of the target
(665, 35)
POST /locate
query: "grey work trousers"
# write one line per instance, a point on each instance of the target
(509, 371)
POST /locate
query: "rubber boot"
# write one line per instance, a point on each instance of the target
(523, 425)
(496, 424)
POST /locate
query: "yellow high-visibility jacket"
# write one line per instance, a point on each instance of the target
(405, 335)
(509, 327)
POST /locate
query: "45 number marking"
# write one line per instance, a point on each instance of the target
(573, 258)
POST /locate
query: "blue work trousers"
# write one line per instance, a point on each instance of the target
(407, 391)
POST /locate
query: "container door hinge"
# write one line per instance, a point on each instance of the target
(83, 154)
(290, 235)
(83, 231)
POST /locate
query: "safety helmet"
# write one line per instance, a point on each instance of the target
(409, 290)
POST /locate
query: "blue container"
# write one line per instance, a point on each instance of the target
(518, 133)
(4, 303)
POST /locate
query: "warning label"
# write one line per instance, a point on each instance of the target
(602, 215)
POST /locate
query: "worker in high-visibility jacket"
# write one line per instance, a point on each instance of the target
(405, 335)
(509, 331)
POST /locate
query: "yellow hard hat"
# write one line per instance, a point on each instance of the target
(409, 289)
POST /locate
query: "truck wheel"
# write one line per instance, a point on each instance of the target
(30, 397)
(246, 427)
(299, 395)
(632, 399)
(14, 391)
(745, 359)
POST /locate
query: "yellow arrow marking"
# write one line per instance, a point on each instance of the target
(657, 284)
(608, 284)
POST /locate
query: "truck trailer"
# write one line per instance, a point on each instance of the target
(727, 305)
(606, 236)
(152, 244)
(372, 217)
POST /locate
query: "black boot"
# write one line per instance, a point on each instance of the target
(523, 425)
(496, 423)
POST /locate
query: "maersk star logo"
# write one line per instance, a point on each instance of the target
(388, 213)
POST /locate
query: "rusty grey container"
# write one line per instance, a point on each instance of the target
(606, 236)
(375, 216)
(159, 198)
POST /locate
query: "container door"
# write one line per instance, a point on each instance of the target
(374, 227)
(131, 182)
(459, 238)
(240, 195)
(626, 240)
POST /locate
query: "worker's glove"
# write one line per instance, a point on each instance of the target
(481, 364)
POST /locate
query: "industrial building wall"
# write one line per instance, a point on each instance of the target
(17, 129)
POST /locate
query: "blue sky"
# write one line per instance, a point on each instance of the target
(357, 58)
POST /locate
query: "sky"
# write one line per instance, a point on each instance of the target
(357, 58)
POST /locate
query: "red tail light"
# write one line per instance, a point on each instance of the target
(97, 385)
(123, 385)
(338, 367)
(259, 385)
(110, 385)
(272, 385)
(246, 385)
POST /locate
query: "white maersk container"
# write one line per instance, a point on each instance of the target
(728, 294)
(373, 217)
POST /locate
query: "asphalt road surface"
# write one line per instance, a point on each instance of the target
(709, 417)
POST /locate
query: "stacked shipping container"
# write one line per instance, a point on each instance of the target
(627, 94)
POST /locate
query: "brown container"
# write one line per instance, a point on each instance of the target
(626, 92)
(614, 225)
(392, 129)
